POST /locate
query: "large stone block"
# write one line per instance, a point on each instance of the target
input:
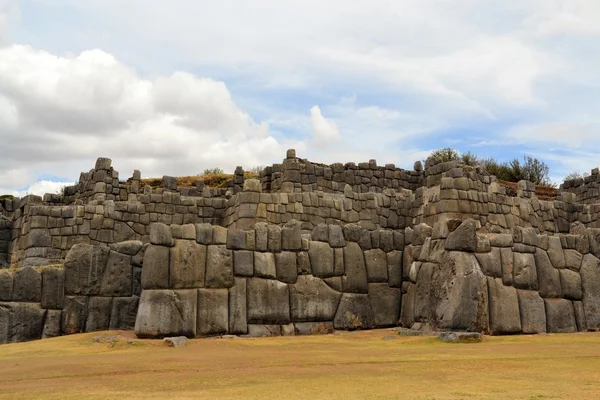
(321, 259)
(6, 285)
(524, 271)
(167, 313)
(424, 302)
(548, 276)
(187, 265)
(491, 263)
(504, 308)
(407, 306)
(590, 283)
(20, 322)
(460, 290)
(268, 301)
(532, 311)
(84, 266)
(117, 278)
(311, 299)
(74, 315)
(53, 287)
(285, 263)
(573, 259)
(213, 312)
(264, 265)
(570, 282)
(394, 261)
(274, 238)
(463, 238)
(98, 314)
(385, 303)
(124, 312)
(506, 255)
(354, 279)
(376, 261)
(155, 273)
(291, 236)
(27, 285)
(243, 263)
(354, 312)
(560, 316)
(555, 252)
(219, 267)
(52, 324)
(129, 247)
(38, 238)
(160, 234)
(238, 317)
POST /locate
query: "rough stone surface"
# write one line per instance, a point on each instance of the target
(321, 259)
(20, 322)
(74, 314)
(590, 284)
(548, 277)
(312, 300)
(560, 316)
(155, 273)
(6, 285)
(354, 312)
(491, 263)
(219, 267)
(504, 308)
(463, 238)
(354, 279)
(52, 324)
(187, 265)
(238, 317)
(167, 313)
(27, 285)
(264, 265)
(285, 266)
(570, 282)
(376, 262)
(98, 314)
(524, 271)
(213, 312)
(460, 337)
(84, 267)
(532, 311)
(268, 301)
(160, 234)
(385, 303)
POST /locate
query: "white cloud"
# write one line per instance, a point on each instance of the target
(60, 113)
(39, 188)
(324, 131)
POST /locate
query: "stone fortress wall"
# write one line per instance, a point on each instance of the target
(306, 248)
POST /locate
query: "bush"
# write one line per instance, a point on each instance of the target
(444, 155)
(257, 169)
(575, 175)
(214, 171)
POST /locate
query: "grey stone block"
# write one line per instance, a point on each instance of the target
(27, 285)
(53, 288)
(155, 273)
(74, 315)
(570, 282)
(268, 301)
(354, 312)
(291, 236)
(52, 324)
(98, 314)
(274, 238)
(129, 247)
(394, 261)
(320, 233)
(555, 252)
(548, 277)
(243, 262)
(532, 311)
(84, 266)
(187, 265)
(385, 303)
(524, 271)
(160, 234)
(313, 300)
(204, 233)
(167, 313)
(313, 328)
(321, 259)
(580, 316)
(491, 263)
(213, 312)
(6, 285)
(219, 267)
(236, 239)
(264, 265)
(20, 322)
(463, 238)
(238, 317)
(504, 308)
(285, 265)
(354, 279)
(590, 283)
(376, 262)
(117, 278)
(560, 316)
(336, 236)
(124, 313)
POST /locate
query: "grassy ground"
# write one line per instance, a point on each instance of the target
(360, 365)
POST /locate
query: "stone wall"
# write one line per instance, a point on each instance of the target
(207, 280)
(296, 175)
(520, 282)
(98, 288)
(307, 248)
(586, 190)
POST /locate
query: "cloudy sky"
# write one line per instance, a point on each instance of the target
(172, 88)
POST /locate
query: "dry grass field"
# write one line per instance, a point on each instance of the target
(360, 365)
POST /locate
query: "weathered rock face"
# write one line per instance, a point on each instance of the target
(460, 293)
(504, 316)
(167, 313)
(354, 312)
(312, 300)
(590, 281)
(268, 301)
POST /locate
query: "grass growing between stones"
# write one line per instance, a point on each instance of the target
(358, 365)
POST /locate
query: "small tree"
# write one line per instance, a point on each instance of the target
(214, 171)
(469, 159)
(444, 155)
(575, 175)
